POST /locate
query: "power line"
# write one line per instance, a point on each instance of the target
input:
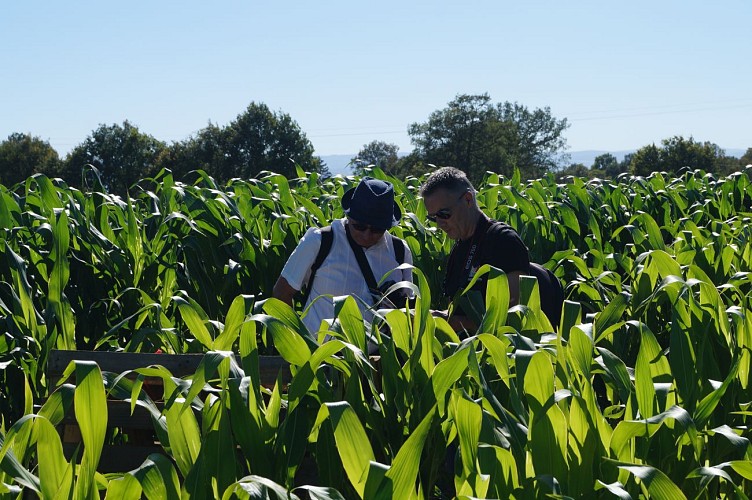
(627, 113)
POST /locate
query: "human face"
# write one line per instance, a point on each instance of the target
(450, 212)
(363, 234)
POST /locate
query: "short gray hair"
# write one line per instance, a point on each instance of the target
(449, 178)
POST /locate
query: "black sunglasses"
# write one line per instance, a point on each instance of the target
(361, 228)
(444, 213)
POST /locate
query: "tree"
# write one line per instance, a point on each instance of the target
(475, 135)
(256, 140)
(746, 158)
(22, 155)
(574, 170)
(608, 165)
(377, 153)
(678, 154)
(122, 154)
(538, 143)
(646, 160)
(204, 151)
(625, 162)
(604, 162)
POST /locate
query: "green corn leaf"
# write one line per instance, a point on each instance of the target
(497, 300)
(135, 243)
(257, 488)
(184, 435)
(291, 346)
(547, 435)
(501, 468)
(9, 463)
(58, 281)
(234, 320)
(710, 402)
(195, 324)
(446, 373)
(123, 488)
(55, 473)
(352, 442)
(247, 420)
(741, 467)
(657, 484)
(570, 316)
(404, 470)
(611, 317)
(683, 362)
(617, 370)
(351, 323)
(321, 493)
(627, 430)
(530, 297)
(210, 363)
(467, 416)
(91, 414)
(497, 349)
(581, 351)
(287, 315)
(158, 478)
(653, 231)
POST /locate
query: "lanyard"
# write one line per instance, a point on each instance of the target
(480, 232)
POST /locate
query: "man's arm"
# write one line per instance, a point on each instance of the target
(284, 291)
(460, 322)
(514, 287)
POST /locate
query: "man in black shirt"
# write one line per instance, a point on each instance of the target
(449, 198)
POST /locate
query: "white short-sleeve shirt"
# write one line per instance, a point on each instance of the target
(340, 274)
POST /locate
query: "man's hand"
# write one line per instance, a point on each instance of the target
(457, 322)
(440, 314)
(283, 291)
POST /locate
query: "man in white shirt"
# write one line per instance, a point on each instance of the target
(370, 211)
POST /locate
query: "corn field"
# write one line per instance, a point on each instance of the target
(643, 392)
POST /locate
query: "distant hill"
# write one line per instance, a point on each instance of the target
(338, 164)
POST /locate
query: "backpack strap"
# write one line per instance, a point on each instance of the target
(399, 249)
(327, 237)
(360, 256)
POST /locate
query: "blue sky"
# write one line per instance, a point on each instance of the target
(624, 74)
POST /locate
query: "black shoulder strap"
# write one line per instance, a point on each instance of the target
(399, 249)
(326, 245)
(360, 256)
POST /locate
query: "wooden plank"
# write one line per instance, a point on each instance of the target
(138, 427)
(119, 458)
(180, 365)
(119, 415)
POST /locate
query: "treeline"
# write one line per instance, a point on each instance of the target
(471, 133)
(674, 155)
(258, 139)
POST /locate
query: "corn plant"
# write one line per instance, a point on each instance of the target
(644, 389)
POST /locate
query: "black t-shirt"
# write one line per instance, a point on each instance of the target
(499, 245)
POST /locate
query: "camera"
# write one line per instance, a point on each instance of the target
(395, 300)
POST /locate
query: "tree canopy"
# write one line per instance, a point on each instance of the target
(746, 158)
(471, 133)
(257, 140)
(475, 135)
(22, 156)
(677, 154)
(121, 153)
(378, 153)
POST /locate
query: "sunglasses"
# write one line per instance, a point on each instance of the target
(444, 213)
(361, 228)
